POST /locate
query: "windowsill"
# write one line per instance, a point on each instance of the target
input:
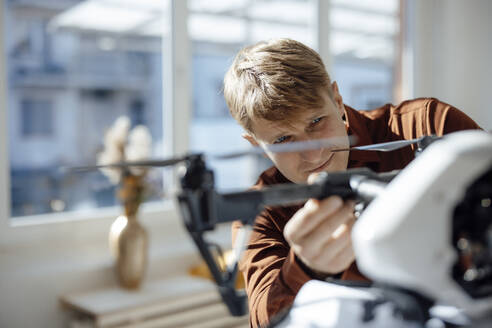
(94, 214)
(70, 228)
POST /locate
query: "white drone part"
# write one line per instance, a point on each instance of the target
(404, 237)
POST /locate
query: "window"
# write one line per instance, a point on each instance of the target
(218, 29)
(73, 68)
(364, 47)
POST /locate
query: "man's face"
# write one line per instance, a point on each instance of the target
(320, 123)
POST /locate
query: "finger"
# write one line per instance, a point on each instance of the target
(329, 226)
(335, 263)
(326, 248)
(343, 259)
(340, 239)
(309, 216)
(313, 177)
(332, 247)
(318, 240)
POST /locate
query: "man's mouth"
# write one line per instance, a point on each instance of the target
(323, 166)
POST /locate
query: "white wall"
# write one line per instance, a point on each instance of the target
(453, 54)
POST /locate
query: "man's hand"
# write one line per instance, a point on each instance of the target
(320, 234)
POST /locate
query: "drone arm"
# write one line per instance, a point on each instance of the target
(235, 300)
(245, 206)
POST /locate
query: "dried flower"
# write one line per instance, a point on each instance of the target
(108, 156)
(139, 147)
(121, 144)
(118, 132)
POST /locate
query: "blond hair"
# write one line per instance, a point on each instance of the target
(274, 80)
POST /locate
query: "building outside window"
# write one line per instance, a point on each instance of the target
(74, 67)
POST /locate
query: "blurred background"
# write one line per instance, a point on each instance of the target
(70, 68)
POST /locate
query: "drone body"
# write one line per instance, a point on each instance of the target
(413, 235)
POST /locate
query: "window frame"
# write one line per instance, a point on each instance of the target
(54, 229)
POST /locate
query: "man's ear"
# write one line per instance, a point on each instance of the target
(250, 138)
(253, 141)
(337, 98)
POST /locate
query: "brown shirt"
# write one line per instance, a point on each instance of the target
(271, 270)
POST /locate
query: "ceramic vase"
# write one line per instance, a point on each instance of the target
(128, 242)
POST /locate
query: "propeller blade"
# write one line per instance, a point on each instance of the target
(143, 163)
(289, 147)
(240, 153)
(276, 148)
(384, 146)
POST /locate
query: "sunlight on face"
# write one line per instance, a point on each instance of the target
(321, 123)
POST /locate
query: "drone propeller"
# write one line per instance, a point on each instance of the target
(330, 143)
(392, 145)
(144, 163)
(290, 147)
(276, 148)
(279, 148)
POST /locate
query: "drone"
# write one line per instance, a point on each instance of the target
(203, 208)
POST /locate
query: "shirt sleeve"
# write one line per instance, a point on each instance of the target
(444, 118)
(271, 271)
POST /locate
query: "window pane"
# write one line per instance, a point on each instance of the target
(218, 29)
(74, 67)
(364, 44)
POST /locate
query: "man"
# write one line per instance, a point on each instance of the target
(280, 92)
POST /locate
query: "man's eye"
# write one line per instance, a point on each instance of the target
(281, 139)
(316, 120)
